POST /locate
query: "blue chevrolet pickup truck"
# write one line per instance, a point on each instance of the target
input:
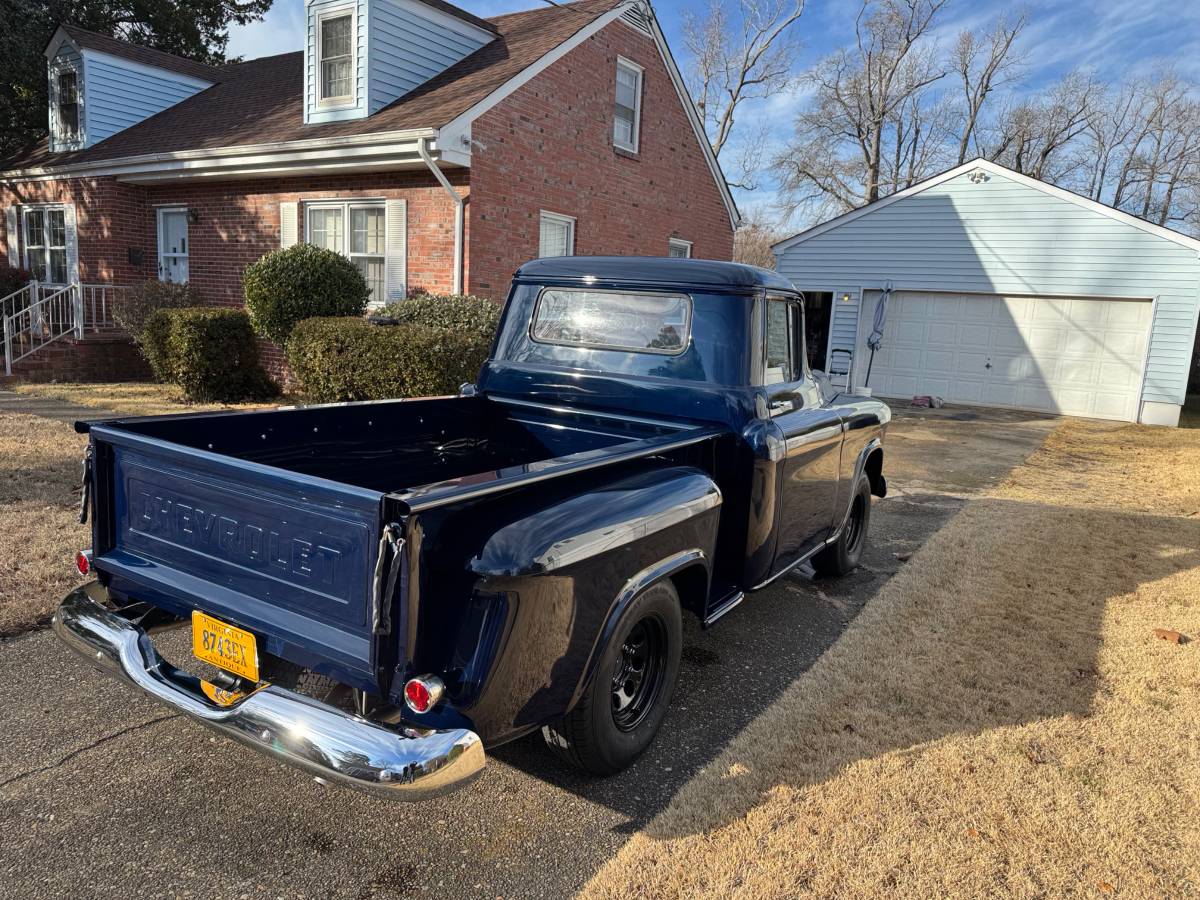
(378, 591)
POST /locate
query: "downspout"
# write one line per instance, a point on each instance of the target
(423, 149)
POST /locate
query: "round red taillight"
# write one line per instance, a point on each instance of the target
(423, 693)
(83, 561)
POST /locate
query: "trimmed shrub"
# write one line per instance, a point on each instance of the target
(12, 278)
(463, 313)
(209, 351)
(131, 308)
(351, 359)
(298, 282)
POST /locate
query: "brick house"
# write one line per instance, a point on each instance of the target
(436, 149)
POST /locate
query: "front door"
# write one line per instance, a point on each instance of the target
(812, 433)
(173, 245)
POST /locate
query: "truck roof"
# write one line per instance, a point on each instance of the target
(657, 270)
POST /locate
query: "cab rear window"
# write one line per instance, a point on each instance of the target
(614, 320)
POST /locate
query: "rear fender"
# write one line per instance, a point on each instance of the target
(568, 573)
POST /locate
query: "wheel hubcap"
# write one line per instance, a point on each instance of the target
(637, 677)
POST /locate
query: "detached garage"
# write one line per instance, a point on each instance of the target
(984, 286)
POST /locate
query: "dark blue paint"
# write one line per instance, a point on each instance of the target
(532, 510)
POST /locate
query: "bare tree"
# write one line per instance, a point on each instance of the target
(864, 101)
(739, 52)
(984, 62)
(1033, 136)
(752, 242)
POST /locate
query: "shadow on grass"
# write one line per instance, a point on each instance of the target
(1189, 416)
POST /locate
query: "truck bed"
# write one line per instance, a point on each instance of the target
(272, 520)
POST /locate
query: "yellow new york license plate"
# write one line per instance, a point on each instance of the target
(224, 646)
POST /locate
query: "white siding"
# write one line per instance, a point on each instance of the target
(408, 47)
(67, 57)
(999, 236)
(118, 93)
(401, 44)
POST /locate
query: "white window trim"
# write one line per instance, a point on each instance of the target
(345, 206)
(679, 242)
(45, 238)
(640, 72)
(560, 219)
(159, 234)
(347, 100)
(60, 134)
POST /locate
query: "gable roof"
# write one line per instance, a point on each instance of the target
(1004, 172)
(102, 43)
(261, 101)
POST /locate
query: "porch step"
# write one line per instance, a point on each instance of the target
(104, 355)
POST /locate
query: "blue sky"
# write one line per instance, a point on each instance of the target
(1117, 39)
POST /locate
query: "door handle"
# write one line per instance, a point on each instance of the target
(781, 406)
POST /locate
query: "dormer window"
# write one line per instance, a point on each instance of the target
(68, 105)
(335, 51)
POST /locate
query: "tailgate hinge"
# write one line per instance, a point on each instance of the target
(86, 494)
(387, 572)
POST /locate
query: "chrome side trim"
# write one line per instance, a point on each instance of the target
(725, 606)
(335, 746)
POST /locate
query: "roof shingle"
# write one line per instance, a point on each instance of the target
(260, 101)
(102, 43)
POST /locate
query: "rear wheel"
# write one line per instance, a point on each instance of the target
(842, 556)
(626, 702)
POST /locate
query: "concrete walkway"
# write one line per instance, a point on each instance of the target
(50, 408)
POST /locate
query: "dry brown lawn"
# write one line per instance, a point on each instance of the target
(1000, 720)
(39, 534)
(39, 493)
(132, 398)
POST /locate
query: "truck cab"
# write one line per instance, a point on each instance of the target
(415, 580)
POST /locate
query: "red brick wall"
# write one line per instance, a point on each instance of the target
(549, 146)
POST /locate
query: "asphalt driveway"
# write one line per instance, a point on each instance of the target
(105, 793)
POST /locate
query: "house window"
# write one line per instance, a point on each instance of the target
(628, 114)
(68, 105)
(557, 235)
(46, 244)
(356, 230)
(678, 248)
(335, 51)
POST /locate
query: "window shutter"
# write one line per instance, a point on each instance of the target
(289, 217)
(397, 248)
(72, 244)
(10, 236)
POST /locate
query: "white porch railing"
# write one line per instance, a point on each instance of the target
(40, 314)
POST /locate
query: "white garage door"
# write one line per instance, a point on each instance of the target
(1064, 355)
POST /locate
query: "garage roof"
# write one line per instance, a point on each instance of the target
(995, 169)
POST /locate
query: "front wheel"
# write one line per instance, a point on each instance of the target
(625, 704)
(842, 556)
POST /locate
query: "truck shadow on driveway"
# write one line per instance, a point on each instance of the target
(999, 626)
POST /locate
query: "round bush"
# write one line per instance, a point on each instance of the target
(298, 282)
(210, 352)
(12, 278)
(351, 359)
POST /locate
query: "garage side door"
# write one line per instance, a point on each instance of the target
(1080, 357)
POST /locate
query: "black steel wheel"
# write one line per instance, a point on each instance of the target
(627, 699)
(637, 679)
(842, 556)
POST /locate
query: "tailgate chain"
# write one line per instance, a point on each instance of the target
(384, 588)
(86, 495)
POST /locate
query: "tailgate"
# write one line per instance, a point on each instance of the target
(285, 556)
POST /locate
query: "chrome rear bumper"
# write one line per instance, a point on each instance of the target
(397, 763)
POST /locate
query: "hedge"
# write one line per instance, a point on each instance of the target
(337, 359)
(455, 312)
(12, 278)
(210, 352)
(298, 282)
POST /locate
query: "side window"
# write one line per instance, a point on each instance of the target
(779, 342)
(785, 341)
